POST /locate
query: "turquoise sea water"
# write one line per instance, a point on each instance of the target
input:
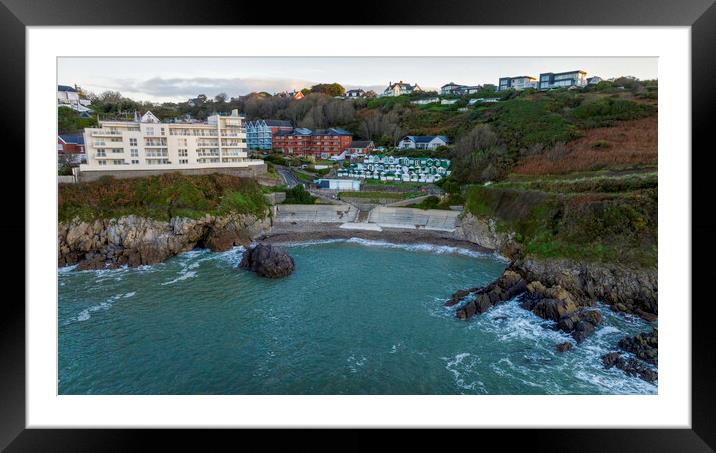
(356, 317)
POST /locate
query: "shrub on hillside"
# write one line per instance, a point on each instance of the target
(606, 111)
(480, 156)
(161, 197)
(299, 195)
(582, 226)
(521, 123)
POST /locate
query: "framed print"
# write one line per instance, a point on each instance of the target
(252, 225)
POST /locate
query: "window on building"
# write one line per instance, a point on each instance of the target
(132, 142)
(150, 131)
(134, 152)
(135, 162)
(118, 162)
(162, 131)
(117, 150)
(182, 142)
(183, 153)
(183, 161)
(102, 162)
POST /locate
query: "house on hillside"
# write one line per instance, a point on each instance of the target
(400, 89)
(296, 95)
(423, 142)
(73, 147)
(353, 94)
(549, 80)
(360, 148)
(593, 80)
(68, 96)
(517, 83)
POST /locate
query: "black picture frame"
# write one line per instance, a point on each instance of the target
(700, 15)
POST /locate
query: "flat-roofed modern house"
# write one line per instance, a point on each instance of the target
(146, 146)
(400, 89)
(423, 141)
(516, 83)
(259, 133)
(453, 89)
(549, 80)
(594, 80)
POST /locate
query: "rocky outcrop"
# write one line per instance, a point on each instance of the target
(479, 300)
(644, 346)
(136, 241)
(572, 315)
(631, 367)
(626, 289)
(267, 261)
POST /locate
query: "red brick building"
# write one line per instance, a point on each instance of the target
(320, 144)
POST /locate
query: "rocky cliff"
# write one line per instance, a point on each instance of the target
(136, 241)
(625, 288)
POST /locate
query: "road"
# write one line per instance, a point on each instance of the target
(288, 177)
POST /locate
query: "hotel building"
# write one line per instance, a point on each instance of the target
(147, 146)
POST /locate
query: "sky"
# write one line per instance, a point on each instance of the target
(157, 79)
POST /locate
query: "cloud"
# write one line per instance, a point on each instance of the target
(179, 89)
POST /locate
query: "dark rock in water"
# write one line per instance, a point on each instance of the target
(506, 287)
(457, 297)
(644, 346)
(582, 330)
(564, 347)
(610, 359)
(267, 261)
(651, 317)
(631, 367)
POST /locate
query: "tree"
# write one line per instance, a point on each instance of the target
(330, 89)
(480, 156)
(69, 121)
(220, 98)
(201, 99)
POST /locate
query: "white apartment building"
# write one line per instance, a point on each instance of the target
(147, 146)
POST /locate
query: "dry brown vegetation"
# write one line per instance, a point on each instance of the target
(629, 143)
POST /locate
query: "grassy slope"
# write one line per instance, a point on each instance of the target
(611, 220)
(161, 197)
